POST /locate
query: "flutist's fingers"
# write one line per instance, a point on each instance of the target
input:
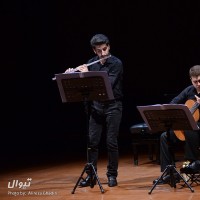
(69, 70)
(82, 68)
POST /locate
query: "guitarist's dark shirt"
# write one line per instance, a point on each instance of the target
(188, 93)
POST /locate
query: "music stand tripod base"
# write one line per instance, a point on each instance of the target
(170, 169)
(167, 117)
(91, 169)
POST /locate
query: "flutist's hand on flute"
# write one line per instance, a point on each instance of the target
(80, 68)
(84, 67)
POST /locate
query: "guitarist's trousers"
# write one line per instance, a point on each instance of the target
(168, 142)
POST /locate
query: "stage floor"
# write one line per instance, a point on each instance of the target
(57, 180)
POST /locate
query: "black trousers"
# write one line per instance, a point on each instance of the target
(168, 142)
(108, 116)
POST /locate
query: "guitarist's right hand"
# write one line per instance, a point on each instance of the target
(198, 99)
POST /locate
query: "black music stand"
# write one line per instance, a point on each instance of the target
(168, 117)
(85, 87)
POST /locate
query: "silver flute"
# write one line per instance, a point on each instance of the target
(77, 68)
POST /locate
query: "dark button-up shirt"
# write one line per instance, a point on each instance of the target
(114, 67)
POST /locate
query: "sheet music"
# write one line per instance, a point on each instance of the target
(159, 117)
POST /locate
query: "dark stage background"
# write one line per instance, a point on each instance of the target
(157, 41)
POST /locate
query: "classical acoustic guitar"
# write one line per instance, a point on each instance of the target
(193, 107)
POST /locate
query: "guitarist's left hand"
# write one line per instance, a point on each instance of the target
(198, 99)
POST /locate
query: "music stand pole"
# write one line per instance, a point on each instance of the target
(168, 117)
(89, 166)
(85, 87)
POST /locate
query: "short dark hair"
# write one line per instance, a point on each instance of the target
(99, 39)
(194, 71)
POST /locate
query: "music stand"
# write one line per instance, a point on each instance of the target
(84, 87)
(168, 117)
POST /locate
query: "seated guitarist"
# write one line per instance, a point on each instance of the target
(190, 138)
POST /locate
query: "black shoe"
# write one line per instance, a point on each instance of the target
(166, 179)
(88, 181)
(192, 168)
(112, 181)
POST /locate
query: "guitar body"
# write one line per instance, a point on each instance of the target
(195, 112)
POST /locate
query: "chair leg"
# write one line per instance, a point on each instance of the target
(150, 151)
(135, 154)
(193, 178)
(158, 152)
